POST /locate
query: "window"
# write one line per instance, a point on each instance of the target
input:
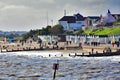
(79, 22)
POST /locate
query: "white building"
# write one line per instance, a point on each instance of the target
(74, 22)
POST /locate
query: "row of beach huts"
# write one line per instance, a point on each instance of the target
(83, 39)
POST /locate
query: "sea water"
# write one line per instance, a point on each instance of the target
(37, 65)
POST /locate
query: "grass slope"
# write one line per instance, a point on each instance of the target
(106, 31)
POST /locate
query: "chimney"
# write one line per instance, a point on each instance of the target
(109, 11)
(64, 12)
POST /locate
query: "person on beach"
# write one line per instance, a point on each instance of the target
(92, 50)
(113, 43)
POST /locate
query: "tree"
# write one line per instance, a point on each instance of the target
(48, 28)
(25, 36)
(56, 30)
(44, 31)
(80, 31)
(117, 22)
(34, 33)
(30, 34)
(68, 32)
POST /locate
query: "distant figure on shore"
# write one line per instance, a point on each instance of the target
(92, 50)
(117, 43)
(113, 43)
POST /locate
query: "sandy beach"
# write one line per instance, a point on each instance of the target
(34, 46)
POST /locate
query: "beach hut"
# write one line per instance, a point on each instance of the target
(11, 39)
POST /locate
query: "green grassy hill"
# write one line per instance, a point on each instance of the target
(106, 31)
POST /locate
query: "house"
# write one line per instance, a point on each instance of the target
(106, 20)
(90, 22)
(11, 39)
(116, 16)
(77, 21)
(74, 22)
(93, 22)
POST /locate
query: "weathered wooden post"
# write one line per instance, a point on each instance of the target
(55, 67)
(96, 52)
(75, 54)
(82, 54)
(89, 53)
(49, 55)
(69, 54)
(61, 55)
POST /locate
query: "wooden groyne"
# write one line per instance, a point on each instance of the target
(16, 50)
(90, 54)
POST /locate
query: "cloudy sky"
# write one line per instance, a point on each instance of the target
(23, 15)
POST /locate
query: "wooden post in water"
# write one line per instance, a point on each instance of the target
(55, 67)
(61, 55)
(75, 54)
(82, 54)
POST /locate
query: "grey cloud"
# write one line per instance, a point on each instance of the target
(30, 3)
(31, 14)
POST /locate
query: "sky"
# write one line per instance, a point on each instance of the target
(24, 15)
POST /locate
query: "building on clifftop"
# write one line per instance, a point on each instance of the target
(74, 22)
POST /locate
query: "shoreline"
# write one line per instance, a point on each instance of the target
(65, 51)
(73, 53)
